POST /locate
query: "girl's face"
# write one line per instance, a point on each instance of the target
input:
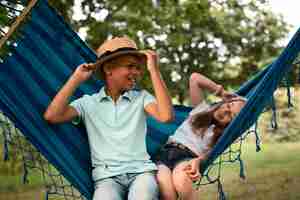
(228, 110)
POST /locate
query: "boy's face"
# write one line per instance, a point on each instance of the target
(125, 72)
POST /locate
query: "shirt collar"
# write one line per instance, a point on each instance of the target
(103, 96)
(127, 95)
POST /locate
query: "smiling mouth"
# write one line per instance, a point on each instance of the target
(132, 81)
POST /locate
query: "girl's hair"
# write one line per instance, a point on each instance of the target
(206, 118)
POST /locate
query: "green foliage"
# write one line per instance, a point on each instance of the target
(228, 41)
(4, 20)
(9, 11)
(64, 7)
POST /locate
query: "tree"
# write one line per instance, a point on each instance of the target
(228, 40)
(9, 11)
(64, 7)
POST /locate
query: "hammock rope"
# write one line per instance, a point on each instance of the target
(45, 54)
(25, 12)
(33, 161)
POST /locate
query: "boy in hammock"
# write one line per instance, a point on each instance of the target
(178, 160)
(115, 119)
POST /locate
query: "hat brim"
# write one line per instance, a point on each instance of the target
(99, 63)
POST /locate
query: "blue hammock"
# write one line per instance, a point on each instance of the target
(43, 58)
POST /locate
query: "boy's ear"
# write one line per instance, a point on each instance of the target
(107, 70)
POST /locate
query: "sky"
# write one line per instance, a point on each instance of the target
(290, 11)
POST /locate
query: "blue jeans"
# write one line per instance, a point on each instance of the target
(133, 186)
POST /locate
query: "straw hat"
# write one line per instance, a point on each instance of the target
(114, 48)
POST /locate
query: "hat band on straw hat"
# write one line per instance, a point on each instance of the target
(107, 53)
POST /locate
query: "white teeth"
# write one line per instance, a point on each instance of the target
(132, 79)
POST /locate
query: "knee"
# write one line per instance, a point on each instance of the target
(182, 183)
(144, 187)
(109, 195)
(108, 190)
(161, 177)
(147, 183)
(168, 196)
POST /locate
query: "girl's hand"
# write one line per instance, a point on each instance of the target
(192, 169)
(225, 95)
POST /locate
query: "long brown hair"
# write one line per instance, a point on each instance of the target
(205, 119)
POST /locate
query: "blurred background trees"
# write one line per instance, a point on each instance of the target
(228, 41)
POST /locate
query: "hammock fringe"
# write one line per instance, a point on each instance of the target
(222, 195)
(46, 31)
(242, 169)
(257, 138)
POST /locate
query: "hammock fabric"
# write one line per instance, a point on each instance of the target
(41, 61)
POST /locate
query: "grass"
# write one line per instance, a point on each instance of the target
(14, 183)
(272, 173)
(23, 195)
(12, 187)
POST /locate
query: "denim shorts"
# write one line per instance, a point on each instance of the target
(131, 186)
(171, 155)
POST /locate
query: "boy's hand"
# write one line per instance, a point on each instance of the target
(152, 60)
(84, 71)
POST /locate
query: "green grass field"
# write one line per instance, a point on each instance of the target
(272, 174)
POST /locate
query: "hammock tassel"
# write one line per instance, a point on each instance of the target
(46, 195)
(25, 173)
(274, 124)
(5, 150)
(242, 169)
(289, 95)
(6, 141)
(221, 191)
(287, 84)
(257, 139)
(5, 147)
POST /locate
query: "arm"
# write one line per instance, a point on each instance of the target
(193, 166)
(162, 110)
(59, 109)
(198, 83)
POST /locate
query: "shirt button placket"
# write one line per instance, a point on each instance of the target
(116, 110)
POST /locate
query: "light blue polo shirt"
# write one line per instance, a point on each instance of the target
(116, 132)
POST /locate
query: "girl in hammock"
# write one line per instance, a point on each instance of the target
(179, 158)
